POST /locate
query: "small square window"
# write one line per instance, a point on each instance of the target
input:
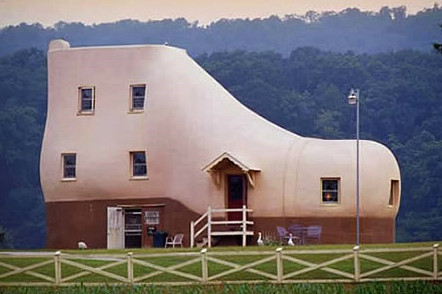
(86, 100)
(138, 162)
(69, 165)
(330, 191)
(138, 96)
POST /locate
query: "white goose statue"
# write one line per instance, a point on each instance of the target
(290, 241)
(260, 242)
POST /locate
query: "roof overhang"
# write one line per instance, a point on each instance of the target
(216, 166)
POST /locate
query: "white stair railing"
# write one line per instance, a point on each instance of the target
(210, 223)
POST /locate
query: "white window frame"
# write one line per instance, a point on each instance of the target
(132, 165)
(133, 109)
(80, 100)
(64, 166)
(337, 191)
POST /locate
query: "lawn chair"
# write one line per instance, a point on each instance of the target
(175, 240)
(314, 234)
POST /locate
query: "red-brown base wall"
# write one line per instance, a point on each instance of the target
(70, 222)
(73, 221)
(337, 230)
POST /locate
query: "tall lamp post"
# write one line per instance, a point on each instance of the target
(353, 98)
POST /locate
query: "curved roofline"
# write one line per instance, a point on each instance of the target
(63, 45)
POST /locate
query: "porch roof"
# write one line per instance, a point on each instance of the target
(215, 164)
(215, 168)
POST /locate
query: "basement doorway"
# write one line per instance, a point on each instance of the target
(134, 226)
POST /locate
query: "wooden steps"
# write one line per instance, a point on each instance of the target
(228, 232)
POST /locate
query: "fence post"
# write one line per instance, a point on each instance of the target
(244, 226)
(204, 267)
(130, 267)
(357, 263)
(209, 227)
(57, 264)
(435, 264)
(279, 265)
(192, 233)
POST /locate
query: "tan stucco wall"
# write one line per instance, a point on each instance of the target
(189, 120)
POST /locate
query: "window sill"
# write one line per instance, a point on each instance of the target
(330, 204)
(69, 179)
(136, 111)
(85, 113)
(139, 178)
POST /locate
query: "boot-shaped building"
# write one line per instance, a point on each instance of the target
(140, 141)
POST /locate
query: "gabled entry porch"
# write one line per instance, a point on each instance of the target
(234, 177)
(226, 164)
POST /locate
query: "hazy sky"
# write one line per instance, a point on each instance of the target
(48, 12)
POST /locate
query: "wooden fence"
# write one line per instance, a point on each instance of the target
(279, 266)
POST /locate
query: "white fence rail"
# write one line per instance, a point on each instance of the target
(280, 266)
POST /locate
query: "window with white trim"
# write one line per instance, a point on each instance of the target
(330, 190)
(138, 164)
(86, 100)
(137, 97)
(69, 165)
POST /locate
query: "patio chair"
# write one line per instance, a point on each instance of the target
(175, 240)
(314, 234)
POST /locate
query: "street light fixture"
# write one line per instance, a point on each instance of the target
(353, 98)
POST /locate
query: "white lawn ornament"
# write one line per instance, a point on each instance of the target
(290, 241)
(82, 245)
(260, 242)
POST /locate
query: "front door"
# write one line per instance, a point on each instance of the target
(236, 194)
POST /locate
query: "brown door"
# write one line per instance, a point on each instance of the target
(236, 194)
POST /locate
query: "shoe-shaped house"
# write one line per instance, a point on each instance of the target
(141, 138)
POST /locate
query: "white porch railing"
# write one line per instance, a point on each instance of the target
(211, 225)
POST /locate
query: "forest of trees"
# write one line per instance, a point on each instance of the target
(390, 29)
(303, 90)
(23, 80)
